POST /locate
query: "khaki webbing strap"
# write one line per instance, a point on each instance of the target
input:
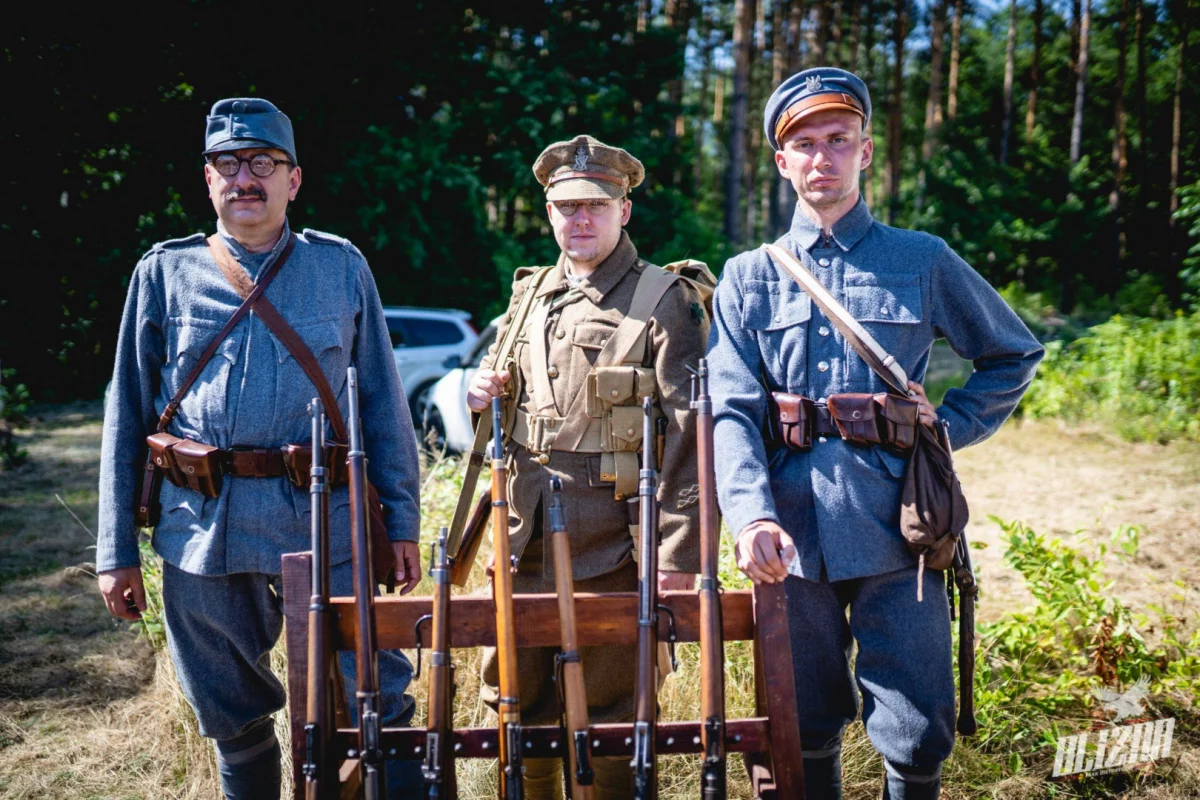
(483, 426)
(524, 426)
(651, 286)
(542, 394)
(251, 294)
(878, 359)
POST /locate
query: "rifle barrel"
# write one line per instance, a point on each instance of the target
(320, 768)
(438, 767)
(646, 700)
(508, 706)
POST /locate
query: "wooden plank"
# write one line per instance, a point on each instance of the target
(545, 741)
(602, 619)
(297, 591)
(776, 692)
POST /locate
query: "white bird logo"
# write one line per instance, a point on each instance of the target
(1127, 704)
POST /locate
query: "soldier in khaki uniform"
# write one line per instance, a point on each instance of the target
(579, 372)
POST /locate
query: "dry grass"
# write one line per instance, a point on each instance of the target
(88, 712)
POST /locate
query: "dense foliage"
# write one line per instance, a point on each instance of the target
(417, 123)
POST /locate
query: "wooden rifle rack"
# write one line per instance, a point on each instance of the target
(769, 742)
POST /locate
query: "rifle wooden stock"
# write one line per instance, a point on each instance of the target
(324, 684)
(438, 767)
(468, 549)
(645, 780)
(574, 700)
(508, 707)
(366, 655)
(712, 645)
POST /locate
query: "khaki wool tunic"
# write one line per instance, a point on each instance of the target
(580, 322)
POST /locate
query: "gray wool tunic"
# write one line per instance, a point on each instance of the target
(252, 392)
(840, 502)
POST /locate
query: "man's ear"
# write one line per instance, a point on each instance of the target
(626, 211)
(868, 151)
(294, 179)
(781, 162)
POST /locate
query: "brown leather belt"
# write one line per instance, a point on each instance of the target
(253, 462)
(823, 424)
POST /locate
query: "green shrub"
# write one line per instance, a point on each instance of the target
(1139, 375)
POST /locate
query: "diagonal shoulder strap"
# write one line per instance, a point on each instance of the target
(250, 296)
(282, 331)
(878, 359)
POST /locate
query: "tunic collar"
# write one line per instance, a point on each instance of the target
(602, 280)
(847, 231)
(240, 253)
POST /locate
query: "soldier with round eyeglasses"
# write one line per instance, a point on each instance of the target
(221, 586)
(831, 508)
(571, 382)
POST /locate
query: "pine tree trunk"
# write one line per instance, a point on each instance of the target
(853, 56)
(1010, 57)
(895, 108)
(643, 15)
(869, 64)
(1177, 114)
(1120, 143)
(773, 187)
(955, 41)
(820, 54)
(1080, 82)
(743, 45)
(677, 21)
(1035, 70)
(836, 59)
(1139, 91)
(933, 104)
(795, 36)
(706, 66)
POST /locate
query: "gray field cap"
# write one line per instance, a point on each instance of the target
(241, 123)
(810, 92)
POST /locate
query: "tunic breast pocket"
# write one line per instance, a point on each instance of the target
(779, 315)
(203, 408)
(325, 341)
(590, 336)
(890, 309)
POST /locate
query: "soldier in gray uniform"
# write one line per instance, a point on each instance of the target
(222, 593)
(832, 511)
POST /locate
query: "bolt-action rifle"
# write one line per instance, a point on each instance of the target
(572, 697)
(508, 707)
(712, 647)
(324, 676)
(645, 781)
(367, 657)
(968, 592)
(438, 767)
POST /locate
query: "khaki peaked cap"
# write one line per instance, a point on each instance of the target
(585, 168)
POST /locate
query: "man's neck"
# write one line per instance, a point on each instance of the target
(828, 216)
(256, 239)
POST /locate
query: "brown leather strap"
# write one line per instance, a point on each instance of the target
(253, 294)
(282, 331)
(259, 462)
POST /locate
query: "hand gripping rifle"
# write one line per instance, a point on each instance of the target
(645, 782)
(324, 675)
(438, 768)
(508, 707)
(367, 658)
(712, 648)
(572, 697)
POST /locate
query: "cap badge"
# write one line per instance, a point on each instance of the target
(581, 160)
(813, 83)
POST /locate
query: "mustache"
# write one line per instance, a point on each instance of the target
(238, 193)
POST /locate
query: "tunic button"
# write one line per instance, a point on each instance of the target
(823, 366)
(823, 330)
(560, 334)
(824, 262)
(629, 432)
(603, 342)
(543, 459)
(883, 310)
(820, 399)
(615, 393)
(552, 372)
(822, 439)
(779, 319)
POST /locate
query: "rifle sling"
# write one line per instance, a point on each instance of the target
(483, 425)
(252, 294)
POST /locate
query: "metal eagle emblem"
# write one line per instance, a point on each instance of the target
(581, 160)
(813, 83)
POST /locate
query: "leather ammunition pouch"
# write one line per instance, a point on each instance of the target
(885, 420)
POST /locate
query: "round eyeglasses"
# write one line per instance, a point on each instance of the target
(261, 165)
(568, 208)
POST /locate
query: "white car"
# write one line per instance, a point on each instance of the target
(425, 343)
(446, 416)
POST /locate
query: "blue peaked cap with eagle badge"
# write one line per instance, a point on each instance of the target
(812, 91)
(241, 123)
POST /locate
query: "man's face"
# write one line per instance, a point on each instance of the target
(590, 234)
(822, 157)
(245, 200)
